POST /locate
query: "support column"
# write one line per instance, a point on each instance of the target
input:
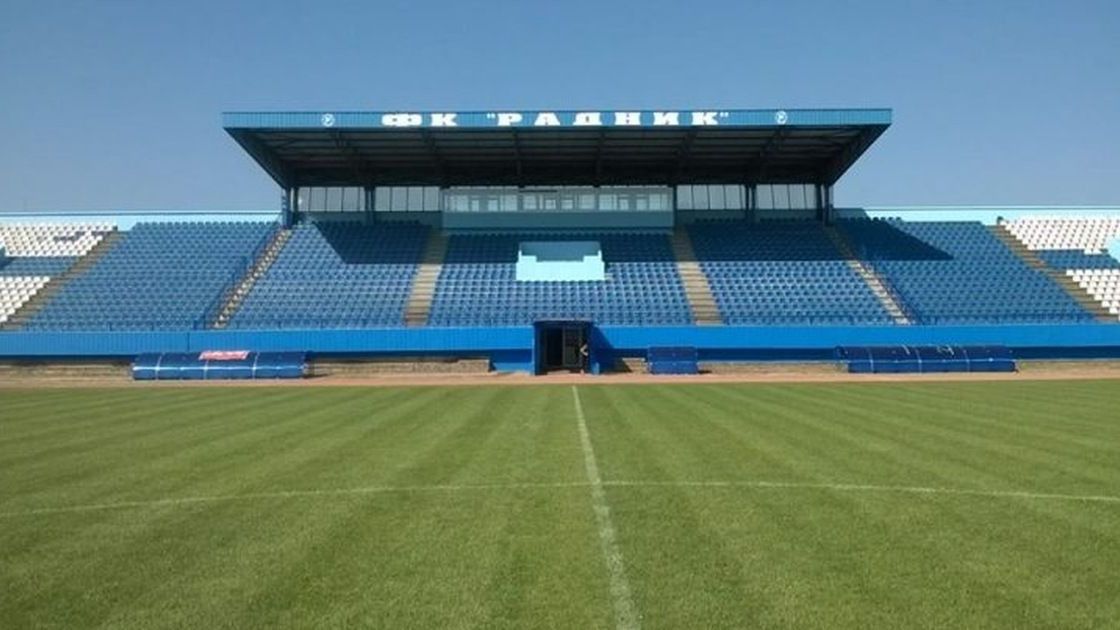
(289, 206)
(370, 196)
(672, 201)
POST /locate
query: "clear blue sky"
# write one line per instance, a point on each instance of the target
(115, 104)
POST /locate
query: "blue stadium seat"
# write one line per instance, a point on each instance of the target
(478, 287)
(958, 272)
(337, 275)
(1077, 259)
(781, 273)
(159, 276)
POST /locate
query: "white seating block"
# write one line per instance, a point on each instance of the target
(51, 239)
(15, 291)
(1089, 234)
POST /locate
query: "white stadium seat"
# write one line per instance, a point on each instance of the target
(39, 240)
(15, 291)
(1089, 234)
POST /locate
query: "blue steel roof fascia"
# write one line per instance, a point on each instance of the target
(488, 120)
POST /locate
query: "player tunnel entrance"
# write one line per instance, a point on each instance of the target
(562, 346)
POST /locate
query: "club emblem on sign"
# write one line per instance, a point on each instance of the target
(781, 117)
(328, 120)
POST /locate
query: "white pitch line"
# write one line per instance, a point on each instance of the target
(289, 494)
(863, 487)
(625, 614)
(452, 488)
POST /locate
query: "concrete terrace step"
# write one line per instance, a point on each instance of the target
(705, 311)
(878, 284)
(419, 306)
(258, 269)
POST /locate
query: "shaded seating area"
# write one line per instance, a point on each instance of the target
(337, 275)
(782, 273)
(958, 272)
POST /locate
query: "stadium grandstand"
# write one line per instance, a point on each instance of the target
(543, 240)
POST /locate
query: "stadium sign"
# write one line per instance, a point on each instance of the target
(556, 119)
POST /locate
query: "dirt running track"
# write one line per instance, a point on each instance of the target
(1033, 373)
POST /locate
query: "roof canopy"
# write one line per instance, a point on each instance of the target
(556, 147)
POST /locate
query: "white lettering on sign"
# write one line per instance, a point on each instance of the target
(627, 119)
(553, 119)
(402, 120)
(547, 119)
(704, 118)
(588, 119)
(444, 120)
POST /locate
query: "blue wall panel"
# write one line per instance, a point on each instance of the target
(817, 337)
(90, 344)
(394, 340)
(512, 348)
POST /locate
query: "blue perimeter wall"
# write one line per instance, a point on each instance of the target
(512, 348)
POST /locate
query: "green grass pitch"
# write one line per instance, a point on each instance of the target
(877, 505)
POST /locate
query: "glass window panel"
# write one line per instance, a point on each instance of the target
(716, 199)
(415, 198)
(381, 199)
(333, 199)
(764, 197)
(700, 197)
(733, 198)
(400, 198)
(684, 197)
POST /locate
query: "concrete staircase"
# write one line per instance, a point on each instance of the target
(40, 299)
(878, 284)
(705, 312)
(260, 266)
(419, 305)
(1075, 291)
